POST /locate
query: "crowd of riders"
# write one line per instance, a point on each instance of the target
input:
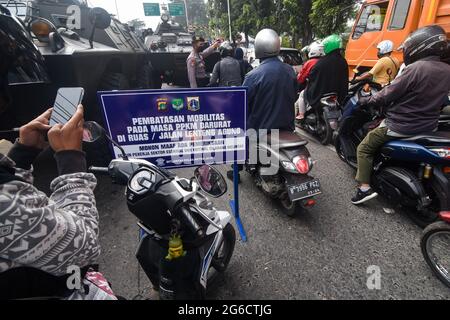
(69, 216)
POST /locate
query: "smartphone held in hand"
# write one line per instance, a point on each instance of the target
(66, 104)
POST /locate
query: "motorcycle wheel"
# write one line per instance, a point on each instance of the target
(223, 255)
(339, 149)
(289, 208)
(423, 218)
(435, 244)
(324, 131)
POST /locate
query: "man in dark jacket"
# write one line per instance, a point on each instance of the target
(271, 87)
(330, 74)
(414, 101)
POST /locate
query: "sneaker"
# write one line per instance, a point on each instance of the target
(230, 176)
(362, 196)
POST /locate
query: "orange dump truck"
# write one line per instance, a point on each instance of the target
(391, 20)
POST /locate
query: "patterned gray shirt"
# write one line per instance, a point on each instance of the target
(50, 234)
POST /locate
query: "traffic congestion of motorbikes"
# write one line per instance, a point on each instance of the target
(390, 123)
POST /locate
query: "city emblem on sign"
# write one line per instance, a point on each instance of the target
(193, 103)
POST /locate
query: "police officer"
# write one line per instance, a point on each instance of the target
(196, 62)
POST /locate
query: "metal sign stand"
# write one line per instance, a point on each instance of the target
(235, 203)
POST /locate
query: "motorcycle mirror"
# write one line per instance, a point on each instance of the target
(92, 132)
(211, 181)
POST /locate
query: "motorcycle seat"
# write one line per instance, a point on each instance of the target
(286, 139)
(435, 137)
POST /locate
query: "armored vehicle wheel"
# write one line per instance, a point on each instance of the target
(114, 81)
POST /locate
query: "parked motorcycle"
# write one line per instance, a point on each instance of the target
(185, 241)
(413, 172)
(291, 184)
(435, 245)
(322, 120)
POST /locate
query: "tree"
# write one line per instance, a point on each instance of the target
(331, 16)
(299, 22)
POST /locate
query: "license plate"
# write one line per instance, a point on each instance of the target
(304, 190)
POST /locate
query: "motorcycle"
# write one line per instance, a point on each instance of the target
(411, 172)
(435, 244)
(322, 120)
(185, 242)
(291, 184)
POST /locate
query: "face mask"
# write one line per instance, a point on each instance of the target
(202, 47)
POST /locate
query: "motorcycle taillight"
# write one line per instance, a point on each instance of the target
(302, 163)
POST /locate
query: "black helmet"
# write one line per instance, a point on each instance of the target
(424, 42)
(226, 49)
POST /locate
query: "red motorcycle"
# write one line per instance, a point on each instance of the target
(435, 244)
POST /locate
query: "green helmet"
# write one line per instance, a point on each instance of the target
(332, 43)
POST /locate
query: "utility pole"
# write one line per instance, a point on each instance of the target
(186, 11)
(229, 20)
(117, 10)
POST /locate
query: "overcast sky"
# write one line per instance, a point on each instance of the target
(128, 10)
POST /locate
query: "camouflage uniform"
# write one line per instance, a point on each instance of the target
(197, 69)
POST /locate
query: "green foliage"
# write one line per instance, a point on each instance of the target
(298, 21)
(331, 16)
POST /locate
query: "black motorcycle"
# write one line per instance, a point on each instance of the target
(411, 173)
(185, 241)
(287, 180)
(321, 120)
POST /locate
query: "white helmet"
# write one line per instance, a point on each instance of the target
(385, 47)
(316, 50)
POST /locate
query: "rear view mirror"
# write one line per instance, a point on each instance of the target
(92, 131)
(211, 181)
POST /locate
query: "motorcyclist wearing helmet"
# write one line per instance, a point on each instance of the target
(330, 74)
(413, 101)
(271, 87)
(386, 68)
(196, 66)
(315, 53)
(41, 237)
(227, 72)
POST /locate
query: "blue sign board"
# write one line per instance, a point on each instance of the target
(178, 128)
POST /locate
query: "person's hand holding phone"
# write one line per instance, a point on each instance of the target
(33, 133)
(68, 137)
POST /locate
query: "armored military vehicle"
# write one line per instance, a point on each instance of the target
(23, 89)
(84, 47)
(170, 45)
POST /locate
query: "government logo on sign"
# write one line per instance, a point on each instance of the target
(193, 103)
(162, 104)
(177, 104)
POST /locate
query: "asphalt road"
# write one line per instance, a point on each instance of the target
(322, 254)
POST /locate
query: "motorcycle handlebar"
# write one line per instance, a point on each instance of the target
(187, 218)
(99, 170)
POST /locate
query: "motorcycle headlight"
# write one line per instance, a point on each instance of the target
(42, 28)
